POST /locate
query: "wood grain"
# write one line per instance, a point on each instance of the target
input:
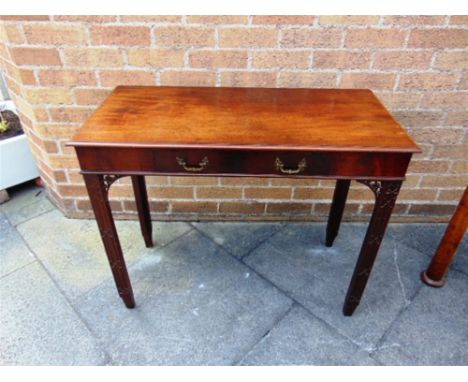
(244, 118)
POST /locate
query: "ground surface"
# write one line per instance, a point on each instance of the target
(221, 294)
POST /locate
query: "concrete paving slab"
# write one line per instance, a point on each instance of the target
(318, 278)
(38, 326)
(14, 253)
(196, 305)
(25, 203)
(72, 250)
(426, 238)
(433, 330)
(301, 339)
(238, 238)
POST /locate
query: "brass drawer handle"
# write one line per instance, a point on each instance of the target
(201, 166)
(300, 167)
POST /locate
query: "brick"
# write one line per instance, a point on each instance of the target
(307, 80)
(120, 35)
(324, 209)
(463, 82)
(231, 19)
(126, 77)
(14, 34)
(24, 17)
(267, 193)
(438, 135)
(90, 96)
(312, 193)
(409, 21)
(438, 38)
(452, 60)
(444, 181)
(399, 100)
(41, 114)
(459, 167)
(27, 77)
(54, 34)
(419, 118)
(428, 81)
(248, 38)
(281, 59)
(457, 118)
(70, 114)
(156, 58)
(445, 100)
(375, 38)
(211, 59)
(311, 38)
(341, 60)
(284, 20)
(452, 151)
(170, 192)
(48, 95)
(218, 193)
(181, 36)
(457, 20)
(161, 207)
(194, 207)
(288, 208)
(368, 80)
(403, 59)
(450, 195)
(188, 78)
(194, 181)
(399, 209)
(240, 182)
(150, 19)
(348, 20)
(93, 57)
(66, 77)
(432, 209)
(87, 18)
(244, 208)
(35, 56)
(248, 79)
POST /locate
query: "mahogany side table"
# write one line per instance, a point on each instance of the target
(302, 133)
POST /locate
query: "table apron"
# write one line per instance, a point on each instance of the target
(261, 163)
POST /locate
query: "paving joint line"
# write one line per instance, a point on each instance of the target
(287, 294)
(59, 289)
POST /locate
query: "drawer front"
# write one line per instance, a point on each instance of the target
(242, 162)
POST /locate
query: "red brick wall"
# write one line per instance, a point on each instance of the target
(59, 68)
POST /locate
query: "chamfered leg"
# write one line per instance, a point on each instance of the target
(97, 186)
(386, 193)
(336, 210)
(141, 199)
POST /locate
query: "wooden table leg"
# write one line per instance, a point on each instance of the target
(336, 210)
(435, 274)
(97, 186)
(144, 215)
(386, 193)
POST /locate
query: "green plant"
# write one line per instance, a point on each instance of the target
(3, 126)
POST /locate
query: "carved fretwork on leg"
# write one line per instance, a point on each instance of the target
(98, 186)
(141, 199)
(336, 210)
(386, 193)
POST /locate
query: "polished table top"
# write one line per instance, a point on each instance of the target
(246, 118)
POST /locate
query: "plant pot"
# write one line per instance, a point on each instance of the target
(16, 161)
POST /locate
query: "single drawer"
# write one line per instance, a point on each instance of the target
(199, 161)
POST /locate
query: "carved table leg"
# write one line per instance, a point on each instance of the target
(386, 193)
(98, 186)
(336, 210)
(435, 274)
(141, 198)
